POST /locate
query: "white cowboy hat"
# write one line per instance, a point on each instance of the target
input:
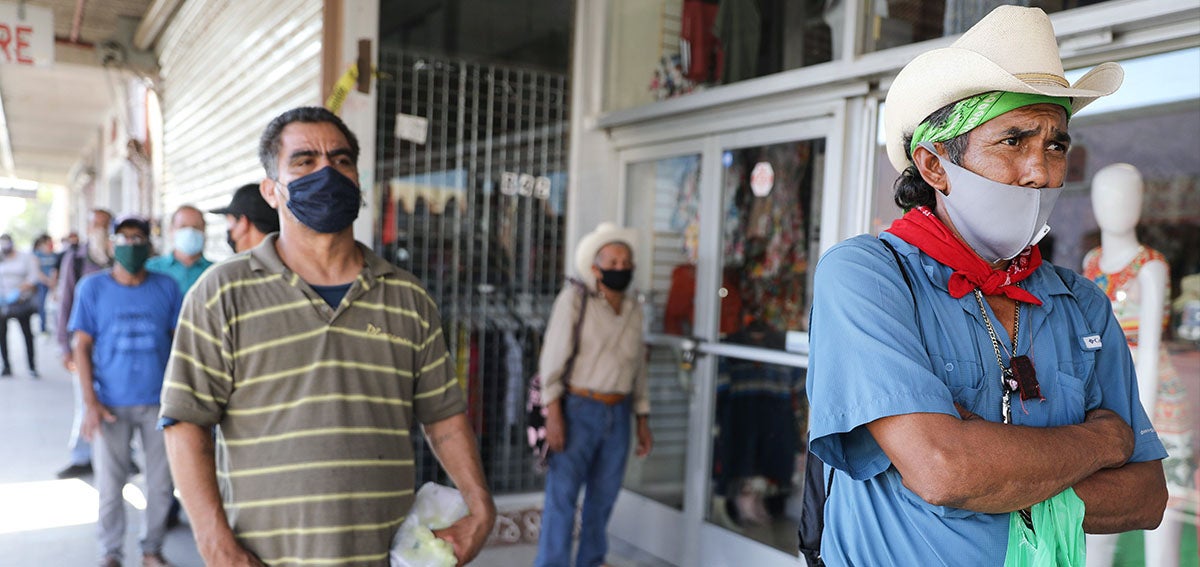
(1011, 49)
(592, 242)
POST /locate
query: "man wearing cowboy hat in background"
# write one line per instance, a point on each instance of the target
(974, 402)
(588, 421)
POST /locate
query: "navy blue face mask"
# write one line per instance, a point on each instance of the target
(325, 200)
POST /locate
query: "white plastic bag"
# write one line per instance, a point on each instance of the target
(434, 508)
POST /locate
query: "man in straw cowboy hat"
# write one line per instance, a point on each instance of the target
(974, 404)
(590, 412)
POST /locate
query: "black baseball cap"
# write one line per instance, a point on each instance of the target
(248, 202)
(136, 221)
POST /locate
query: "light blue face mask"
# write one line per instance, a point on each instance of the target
(189, 241)
(996, 220)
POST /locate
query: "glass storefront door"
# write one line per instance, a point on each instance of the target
(663, 194)
(769, 239)
(731, 228)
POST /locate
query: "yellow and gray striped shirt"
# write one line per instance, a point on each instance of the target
(314, 404)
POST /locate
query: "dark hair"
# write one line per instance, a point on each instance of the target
(42, 238)
(268, 145)
(910, 189)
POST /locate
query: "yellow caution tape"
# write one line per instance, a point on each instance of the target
(342, 88)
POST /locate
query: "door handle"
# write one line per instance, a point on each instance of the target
(687, 360)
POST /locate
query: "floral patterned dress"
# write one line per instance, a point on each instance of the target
(1172, 413)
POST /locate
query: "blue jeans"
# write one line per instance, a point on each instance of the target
(595, 453)
(42, 292)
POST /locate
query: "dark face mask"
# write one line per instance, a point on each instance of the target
(132, 257)
(325, 200)
(6, 248)
(230, 241)
(616, 280)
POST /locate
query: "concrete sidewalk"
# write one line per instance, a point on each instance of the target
(46, 521)
(43, 520)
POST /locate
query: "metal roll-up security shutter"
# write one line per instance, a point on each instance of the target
(228, 67)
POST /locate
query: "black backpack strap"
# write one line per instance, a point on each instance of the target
(812, 511)
(907, 281)
(569, 367)
(903, 272)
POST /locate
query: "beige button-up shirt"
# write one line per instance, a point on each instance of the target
(612, 352)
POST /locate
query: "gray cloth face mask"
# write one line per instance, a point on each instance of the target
(998, 221)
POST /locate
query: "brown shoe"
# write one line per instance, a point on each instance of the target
(154, 560)
(110, 561)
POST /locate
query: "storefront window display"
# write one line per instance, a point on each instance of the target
(892, 23)
(770, 234)
(661, 49)
(759, 443)
(770, 203)
(770, 206)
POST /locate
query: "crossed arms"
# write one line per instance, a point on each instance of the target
(989, 467)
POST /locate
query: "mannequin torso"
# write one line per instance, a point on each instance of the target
(1140, 274)
(1136, 279)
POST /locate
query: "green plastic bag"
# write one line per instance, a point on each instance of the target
(1057, 536)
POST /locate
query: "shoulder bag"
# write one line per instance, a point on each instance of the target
(535, 418)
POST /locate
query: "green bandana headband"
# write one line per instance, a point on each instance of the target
(970, 112)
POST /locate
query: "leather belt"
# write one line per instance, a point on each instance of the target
(606, 398)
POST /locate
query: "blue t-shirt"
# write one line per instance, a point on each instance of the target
(332, 294)
(183, 275)
(131, 329)
(868, 360)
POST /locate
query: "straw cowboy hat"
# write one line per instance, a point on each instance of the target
(1011, 49)
(592, 242)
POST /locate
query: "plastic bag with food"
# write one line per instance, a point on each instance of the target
(434, 508)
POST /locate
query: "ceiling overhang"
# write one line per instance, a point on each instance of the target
(51, 115)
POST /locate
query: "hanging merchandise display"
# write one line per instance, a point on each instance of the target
(474, 207)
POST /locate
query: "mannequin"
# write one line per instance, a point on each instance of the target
(1136, 281)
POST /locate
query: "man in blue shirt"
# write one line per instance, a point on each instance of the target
(963, 390)
(123, 320)
(186, 260)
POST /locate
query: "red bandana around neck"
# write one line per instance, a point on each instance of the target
(921, 228)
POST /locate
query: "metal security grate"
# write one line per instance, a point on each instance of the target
(471, 164)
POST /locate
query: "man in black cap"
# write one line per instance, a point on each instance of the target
(249, 218)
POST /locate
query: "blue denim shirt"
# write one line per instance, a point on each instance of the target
(872, 356)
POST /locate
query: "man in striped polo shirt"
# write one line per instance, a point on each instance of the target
(314, 356)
